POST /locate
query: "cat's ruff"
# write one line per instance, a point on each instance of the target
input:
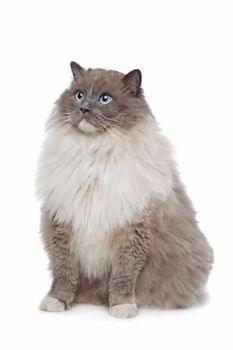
(78, 173)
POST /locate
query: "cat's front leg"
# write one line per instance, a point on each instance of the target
(64, 270)
(126, 268)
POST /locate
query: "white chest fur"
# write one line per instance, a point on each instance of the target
(99, 183)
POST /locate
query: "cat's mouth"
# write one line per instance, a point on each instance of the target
(92, 123)
(87, 127)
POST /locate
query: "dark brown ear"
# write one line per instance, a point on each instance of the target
(133, 80)
(77, 70)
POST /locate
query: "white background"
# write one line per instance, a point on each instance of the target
(185, 52)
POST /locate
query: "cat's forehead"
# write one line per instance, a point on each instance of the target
(99, 79)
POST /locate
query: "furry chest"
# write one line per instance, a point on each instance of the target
(93, 187)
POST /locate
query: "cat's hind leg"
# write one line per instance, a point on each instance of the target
(176, 272)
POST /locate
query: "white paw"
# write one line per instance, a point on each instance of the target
(51, 304)
(123, 310)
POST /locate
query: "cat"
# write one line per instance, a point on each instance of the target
(116, 221)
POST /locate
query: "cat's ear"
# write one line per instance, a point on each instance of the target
(133, 81)
(77, 70)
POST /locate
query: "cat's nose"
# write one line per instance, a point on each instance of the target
(84, 110)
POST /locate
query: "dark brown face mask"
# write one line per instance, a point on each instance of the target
(104, 99)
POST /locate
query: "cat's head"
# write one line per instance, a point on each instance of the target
(99, 100)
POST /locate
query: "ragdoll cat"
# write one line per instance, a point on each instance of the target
(117, 223)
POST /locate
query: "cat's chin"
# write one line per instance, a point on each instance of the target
(87, 127)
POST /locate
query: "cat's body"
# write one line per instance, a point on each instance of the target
(116, 221)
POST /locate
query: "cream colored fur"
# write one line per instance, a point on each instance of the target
(87, 182)
(86, 127)
(124, 310)
(51, 304)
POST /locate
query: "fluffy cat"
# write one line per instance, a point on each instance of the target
(116, 221)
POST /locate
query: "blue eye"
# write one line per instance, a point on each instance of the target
(79, 96)
(105, 99)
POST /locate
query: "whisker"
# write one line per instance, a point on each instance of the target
(114, 137)
(107, 130)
